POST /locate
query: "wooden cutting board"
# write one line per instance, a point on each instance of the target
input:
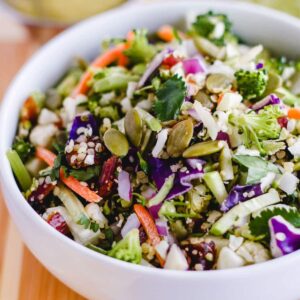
(22, 277)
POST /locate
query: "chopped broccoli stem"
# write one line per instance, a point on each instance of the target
(128, 249)
(260, 126)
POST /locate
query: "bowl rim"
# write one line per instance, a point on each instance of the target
(8, 181)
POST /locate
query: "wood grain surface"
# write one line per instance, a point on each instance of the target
(21, 275)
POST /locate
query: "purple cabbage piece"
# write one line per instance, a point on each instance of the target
(224, 136)
(269, 100)
(285, 238)
(154, 209)
(240, 193)
(161, 169)
(192, 66)
(259, 66)
(85, 121)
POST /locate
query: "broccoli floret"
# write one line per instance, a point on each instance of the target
(258, 127)
(140, 50)
(251, 84)
(128, 249)
(214, 27)
(24, 149)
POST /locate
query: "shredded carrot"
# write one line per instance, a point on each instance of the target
(294, 113)
(123, 60)
(105, 59)
(149, 227)
(46, 155)
(166, 33)
(85, 192)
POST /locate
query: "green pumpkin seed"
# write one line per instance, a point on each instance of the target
(180, 137)
(204, 99)
(116, 142)
(203, 148)
(274, 82)
(134, 127)
(218, 83)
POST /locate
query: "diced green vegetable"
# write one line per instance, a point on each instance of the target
(242, 210)
(19, 170)
(226, 168)
(114, 82)
(163, 192)
(215, 183)
(140, 49)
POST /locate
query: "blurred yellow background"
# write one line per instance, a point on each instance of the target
(70, 11)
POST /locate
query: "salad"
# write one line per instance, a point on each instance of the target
(176, 150)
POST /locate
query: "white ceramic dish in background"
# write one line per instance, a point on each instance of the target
(99, 277)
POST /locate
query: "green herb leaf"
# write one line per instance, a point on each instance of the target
(170, 97)
(85, 174)
(256, 166)
(84, 221)
(259, 226)
(23, 148)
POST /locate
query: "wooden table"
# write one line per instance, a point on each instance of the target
(21, 275)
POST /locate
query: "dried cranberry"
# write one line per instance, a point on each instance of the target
(58, 222)
(200, 255)
(282, 121)
(84, 152)
(37, 196)
(107, 177)
(170, 61)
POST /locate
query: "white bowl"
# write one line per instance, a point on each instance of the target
(99, 277)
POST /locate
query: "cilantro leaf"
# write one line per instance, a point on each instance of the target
(170, 97)
(85, 174)
(88, 223)
(259, 225)
(256, 166)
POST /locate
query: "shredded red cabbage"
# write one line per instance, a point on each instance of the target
(223, 136)
(240, 193)
(161, 170)
(269, 100)
(192, 66)
(285, 238)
